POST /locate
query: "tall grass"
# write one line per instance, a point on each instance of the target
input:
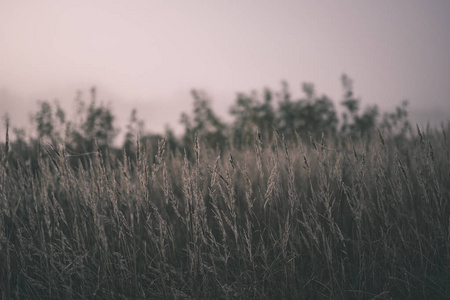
(349, 219)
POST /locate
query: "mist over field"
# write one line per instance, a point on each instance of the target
(149, 55)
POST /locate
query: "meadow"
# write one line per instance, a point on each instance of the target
(343, 218)
(289, 201)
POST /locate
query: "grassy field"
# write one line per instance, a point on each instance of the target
(334, 219)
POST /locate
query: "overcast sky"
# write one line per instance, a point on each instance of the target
(150, 54)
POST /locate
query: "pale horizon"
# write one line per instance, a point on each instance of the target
(148, 55)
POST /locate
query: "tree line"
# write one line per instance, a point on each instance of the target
(262, 114)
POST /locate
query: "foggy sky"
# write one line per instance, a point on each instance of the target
(150, 54)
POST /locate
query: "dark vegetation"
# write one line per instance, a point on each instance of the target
(291, 200)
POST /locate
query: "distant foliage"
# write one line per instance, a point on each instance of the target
(203, 122)
(266, 113)
(96, 125)
(252, 114)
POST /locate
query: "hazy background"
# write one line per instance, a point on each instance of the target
(150, 54)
